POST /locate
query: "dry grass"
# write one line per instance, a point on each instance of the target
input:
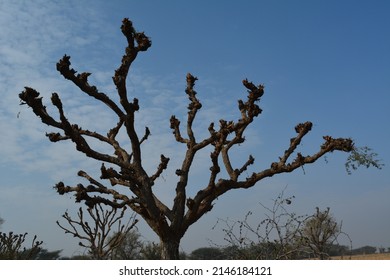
(382, 256)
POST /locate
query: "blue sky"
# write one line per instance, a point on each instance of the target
(323, 61)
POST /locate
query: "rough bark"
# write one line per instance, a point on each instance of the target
(170, 224)
(170, 248)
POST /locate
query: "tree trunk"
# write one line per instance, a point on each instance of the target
(170, 249)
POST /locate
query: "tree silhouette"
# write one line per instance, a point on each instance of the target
(125, 167)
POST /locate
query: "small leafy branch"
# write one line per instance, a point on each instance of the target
(362, 156)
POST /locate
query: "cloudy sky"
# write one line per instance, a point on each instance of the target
(320, 61)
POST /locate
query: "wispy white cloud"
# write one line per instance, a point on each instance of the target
(33, 36)
(31, 33)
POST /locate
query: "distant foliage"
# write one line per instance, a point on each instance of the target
(364, 250)
(208, 253)
(45, 254)
(12, 247)
(151, 251)
(130, 247)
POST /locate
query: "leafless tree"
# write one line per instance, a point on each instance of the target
(95, 236)
(125, 168)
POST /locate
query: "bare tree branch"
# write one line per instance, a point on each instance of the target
(81, 80)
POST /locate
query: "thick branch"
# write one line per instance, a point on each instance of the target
(73, 132)
(330, 145)
(175, 126)
(162, 166)
(136, 42)
(81, 80)
(302, 129)
(202, 202)
(31, 97)
(81, 193)
(143, 139)
(193, 107)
